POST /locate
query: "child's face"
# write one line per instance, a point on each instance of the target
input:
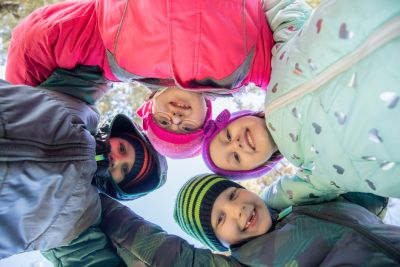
(178, 110)
(122, 158)
(239, 214)
(244, 144)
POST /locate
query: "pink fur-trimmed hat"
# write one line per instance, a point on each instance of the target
(170, 144)
(213, 127)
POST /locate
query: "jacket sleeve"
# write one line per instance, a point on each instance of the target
(375, 204)
(293, 190)
(90, 249)
(285, 18)
(83, 82)
(60, 35)
(136, 238)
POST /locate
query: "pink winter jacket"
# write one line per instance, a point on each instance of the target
(206, 45)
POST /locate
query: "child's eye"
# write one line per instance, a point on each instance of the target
(162, 119)
(228, 135)
(125, 169)
(232, 195)
(187, 129)
(237, 157)
(220, 219)
(163, 122)
(188, 126)
(122, 149)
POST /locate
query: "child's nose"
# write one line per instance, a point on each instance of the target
(117, 158)
(236, 209)
(241, 211)
(177, 114)
(239, 142)
(177, 118)
(236, 143)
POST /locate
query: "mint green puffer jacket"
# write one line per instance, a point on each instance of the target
(332, 104)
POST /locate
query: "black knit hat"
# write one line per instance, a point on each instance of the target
(194, 204)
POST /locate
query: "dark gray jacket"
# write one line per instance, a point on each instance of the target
(46, 167)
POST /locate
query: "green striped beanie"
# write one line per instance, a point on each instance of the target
(194, 204)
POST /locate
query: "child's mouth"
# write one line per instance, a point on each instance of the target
(180, 105)
(249, 139)
(251, 220)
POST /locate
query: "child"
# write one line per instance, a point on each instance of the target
(318, 110)
(174, 119)
(241, 146)
(224, 216)
(48, 167)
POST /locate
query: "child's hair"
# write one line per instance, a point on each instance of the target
(213, 127)
(170, 144)
(194, 204)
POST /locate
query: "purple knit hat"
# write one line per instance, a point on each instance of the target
(170, 144)
(213, 127)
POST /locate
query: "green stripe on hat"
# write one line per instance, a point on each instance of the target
(189, 195)
(194, 205)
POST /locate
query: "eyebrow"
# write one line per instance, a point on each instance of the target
(230, 158)
(214, 223)
(222, 136)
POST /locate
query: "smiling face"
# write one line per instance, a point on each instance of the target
(244, 144)
(239, 214)
(178, 110)
(122, 158)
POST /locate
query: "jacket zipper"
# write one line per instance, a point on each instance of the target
(383, 35)
(380, 242)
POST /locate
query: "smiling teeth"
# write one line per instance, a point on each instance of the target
(250, 220)
(249, 140)
(180, 105)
